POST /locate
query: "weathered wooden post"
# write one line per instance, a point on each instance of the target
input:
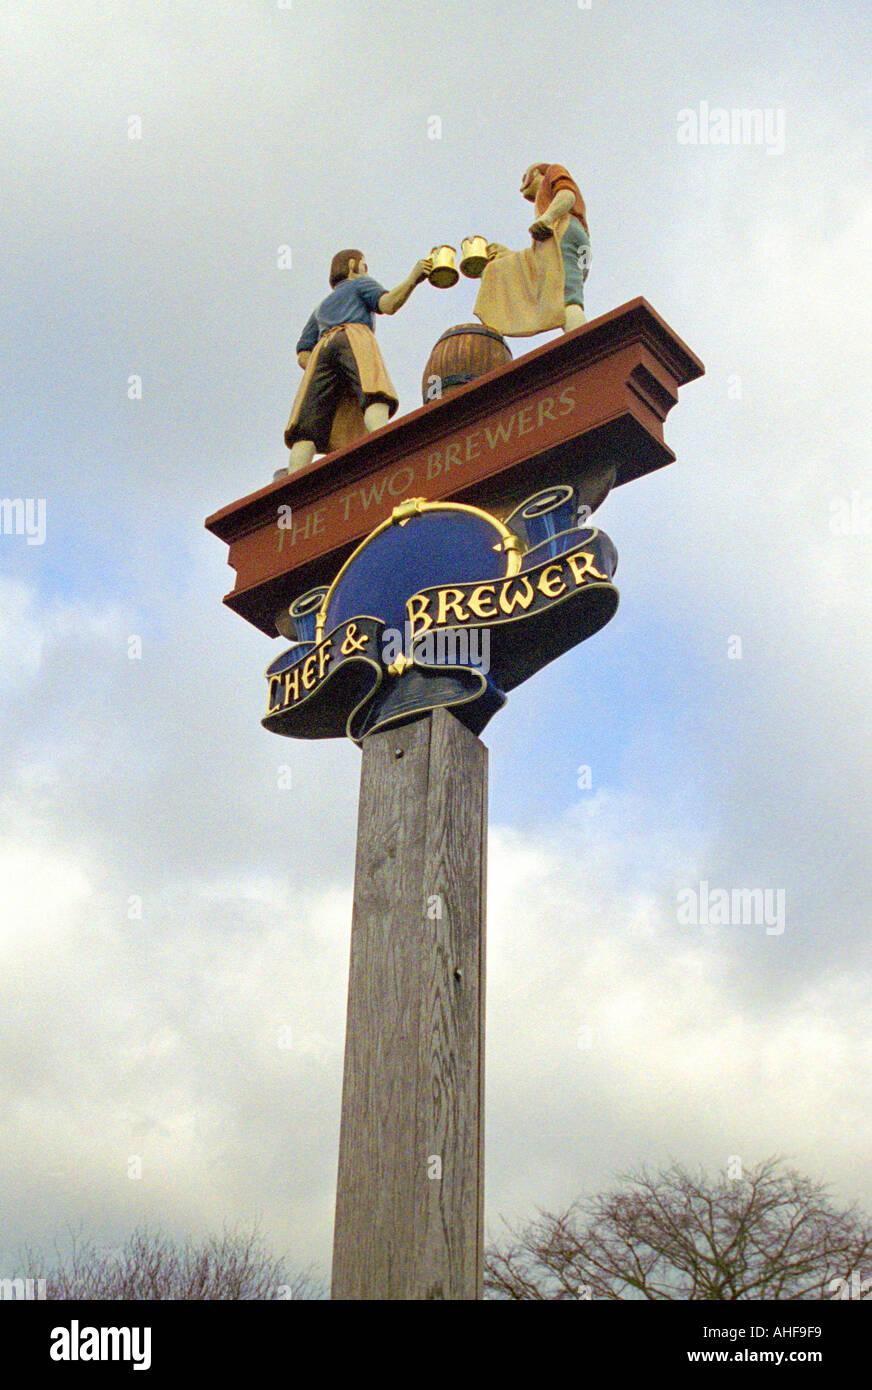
(410, 1192)
(430, 568)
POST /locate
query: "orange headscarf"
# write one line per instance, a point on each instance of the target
(555, 179)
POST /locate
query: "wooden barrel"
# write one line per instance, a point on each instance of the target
(462, 354)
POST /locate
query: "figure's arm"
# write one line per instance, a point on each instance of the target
(560, 204)
(392, 300)
(308, 339)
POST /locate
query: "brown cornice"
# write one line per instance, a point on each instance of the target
(619, 375)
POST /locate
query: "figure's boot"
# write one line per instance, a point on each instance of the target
(575, 317)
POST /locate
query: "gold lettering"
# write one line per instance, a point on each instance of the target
(309, 672)
(434, 464)
(318, 522)
(546, 409)
(273, 680)
(473, 447)
(501, 432)
(522, 597)
(292, 679)
(477, 598)
(452, 456)
(579, 571)
(452, 605)
(325, 652)
(373, 494)
(352, 643)
(419, 618)
(408, 479)
(567, 405)
(522, 428)
(553, 586)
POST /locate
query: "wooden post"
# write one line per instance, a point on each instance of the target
(409, 1200)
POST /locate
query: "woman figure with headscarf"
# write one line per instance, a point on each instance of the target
(530, 291)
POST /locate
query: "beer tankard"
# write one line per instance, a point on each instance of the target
(473, 257)
(444, 273)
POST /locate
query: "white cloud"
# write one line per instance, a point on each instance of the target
(616, 1038)
(206, 1036)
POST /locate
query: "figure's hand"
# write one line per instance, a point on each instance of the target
(302, 358)
(540, 230)
(421, 269)
(496, 248)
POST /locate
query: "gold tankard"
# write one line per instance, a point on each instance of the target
(473, 257)
(444, 273)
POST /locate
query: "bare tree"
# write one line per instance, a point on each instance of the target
(770, 1234)
(235, 1265)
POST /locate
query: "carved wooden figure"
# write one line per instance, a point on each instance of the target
(346, 391)
(541, 287)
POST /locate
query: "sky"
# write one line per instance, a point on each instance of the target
(174, 917)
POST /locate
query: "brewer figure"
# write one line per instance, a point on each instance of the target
(530, 291)
(345, 392)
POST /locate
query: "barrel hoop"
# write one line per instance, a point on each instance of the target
(461, 378)
(473, 328)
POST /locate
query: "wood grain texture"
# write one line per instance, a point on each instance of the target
(414, 1055)
(462, 354)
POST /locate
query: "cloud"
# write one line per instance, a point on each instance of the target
(205, 1035)
(616, 1037)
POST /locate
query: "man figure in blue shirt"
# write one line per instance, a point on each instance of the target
(346, 391)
